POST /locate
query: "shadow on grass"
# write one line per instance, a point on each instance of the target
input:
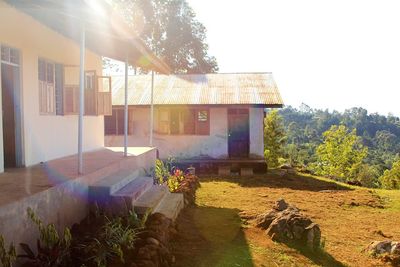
(320, 257)
(211, 237)
(272, 179)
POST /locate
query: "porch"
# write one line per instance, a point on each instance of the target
(57, 193)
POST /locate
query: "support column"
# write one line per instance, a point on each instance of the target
(81, 98)
(126, 111)
(152, 109)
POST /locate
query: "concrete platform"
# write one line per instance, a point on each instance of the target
(135, 188)
(171, 205)
(246, 171)
(224, 170)
(56, 192)
(150, 199)
(114, 182)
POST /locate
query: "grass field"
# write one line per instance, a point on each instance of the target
(219, 230)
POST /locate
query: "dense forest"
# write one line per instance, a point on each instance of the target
(376, 138)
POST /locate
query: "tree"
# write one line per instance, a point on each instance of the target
(171, 30)
(391, 178)
(341, 153)
(274, 138)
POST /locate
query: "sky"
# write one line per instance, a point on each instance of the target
(328, 54)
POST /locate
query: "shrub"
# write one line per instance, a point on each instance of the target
(368, 175)
(274, 138)
(175, 180)
(341, 153)
(7, 256)
(52, 250)
(112, 243)
(391, 178)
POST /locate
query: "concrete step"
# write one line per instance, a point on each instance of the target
(150, 199)
(132, 191)
(171, 205)
(112, 183)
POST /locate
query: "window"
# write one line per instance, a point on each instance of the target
(90, 93)
(114, 124)
(188, 121)
(59, 89)
(163, 121)
(71, 90)
(202, 123)
(9, 55)
(202, 115)
(46, 87)
(104, 100)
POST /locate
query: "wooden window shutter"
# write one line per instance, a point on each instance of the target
(110, 123)
(130, 122)
(189, 117)
(59, 89)
(104, 99)
(120, 122)
(71, 99)
(46, 85)
(174, 121)
(90, 93)
(71, 90)
(163, 121)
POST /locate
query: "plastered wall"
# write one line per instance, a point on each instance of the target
(46, 137)
(214, 145)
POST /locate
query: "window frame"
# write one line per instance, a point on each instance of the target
(119, 111)
(199, 127)
(43, 86)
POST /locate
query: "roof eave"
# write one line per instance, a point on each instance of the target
(106, 35)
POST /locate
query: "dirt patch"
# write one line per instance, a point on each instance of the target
(346, 228)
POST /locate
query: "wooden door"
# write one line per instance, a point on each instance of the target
(8, 100)
(238, 133)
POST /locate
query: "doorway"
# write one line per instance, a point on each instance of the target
(238, 133)
(10, 93)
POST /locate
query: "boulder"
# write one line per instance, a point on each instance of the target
(280, 205)
(386, 250)
(285, 223)
(381, 247)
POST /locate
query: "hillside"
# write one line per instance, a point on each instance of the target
(380, 134)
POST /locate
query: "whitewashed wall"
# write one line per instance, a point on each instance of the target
(46, 137)
(256, 132)
(185, 146)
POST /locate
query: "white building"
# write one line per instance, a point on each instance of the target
(217, 116)
(40, 67)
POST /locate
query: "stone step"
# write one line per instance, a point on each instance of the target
(132, 191)
(171, 205)
(112, 183)
(150, 199)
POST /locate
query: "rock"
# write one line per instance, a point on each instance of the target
(313, 235)
(286, 167)
(377, 248)
(282, 173)
(354, 204)
(280, 205)
(285, 223)
(264, 220)
(151, 240)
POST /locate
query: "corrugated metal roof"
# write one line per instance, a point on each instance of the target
(199, 89)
